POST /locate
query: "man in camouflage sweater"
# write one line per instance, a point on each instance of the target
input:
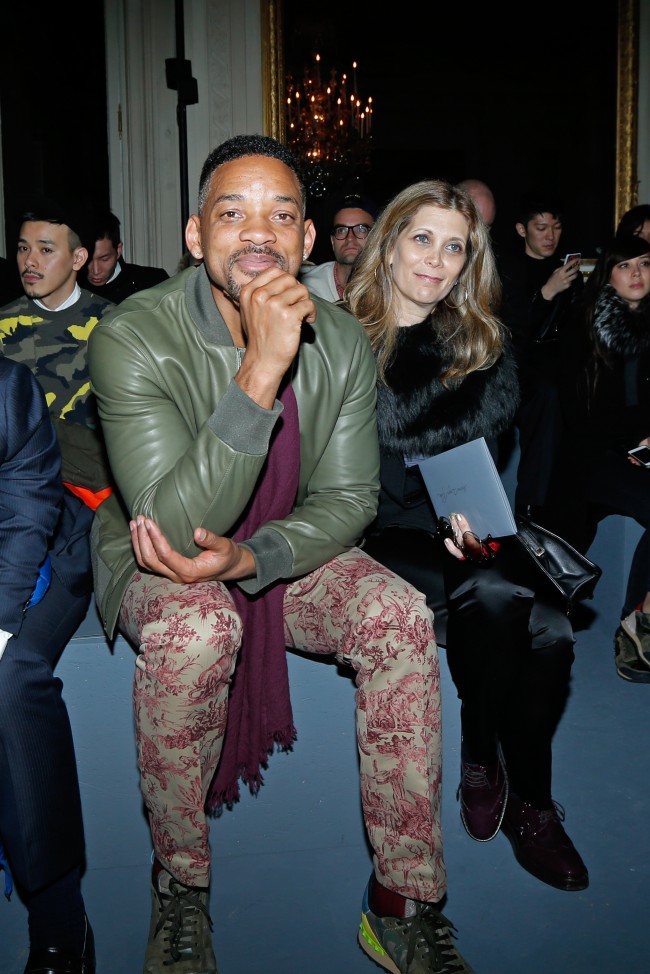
(47, 329)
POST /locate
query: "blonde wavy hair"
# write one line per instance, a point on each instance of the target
(466, 319)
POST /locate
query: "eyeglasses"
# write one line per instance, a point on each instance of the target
(341, 230)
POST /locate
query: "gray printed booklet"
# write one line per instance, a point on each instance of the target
(466, 480)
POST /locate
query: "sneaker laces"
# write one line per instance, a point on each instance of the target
(429, 932)
(183, 915)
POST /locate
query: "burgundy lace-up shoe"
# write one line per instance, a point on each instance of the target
(542, 847)
(483, 792)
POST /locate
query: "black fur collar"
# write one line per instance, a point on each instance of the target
(417, 416)
(617, 327)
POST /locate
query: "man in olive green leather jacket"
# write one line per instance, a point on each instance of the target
(239, 417)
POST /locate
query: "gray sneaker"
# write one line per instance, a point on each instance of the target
(639, 623)
(631, 662)
(420, 943)
(180, 933)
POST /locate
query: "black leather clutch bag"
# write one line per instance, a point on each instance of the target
(570, 572)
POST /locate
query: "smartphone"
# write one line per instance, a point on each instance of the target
(571, 257)
(642, 454)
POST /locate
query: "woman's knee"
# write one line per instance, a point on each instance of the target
(490, 598)
(555, 646)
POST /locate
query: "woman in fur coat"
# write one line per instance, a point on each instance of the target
(606, 412)
(425, 287)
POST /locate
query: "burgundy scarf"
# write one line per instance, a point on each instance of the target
(259, 707)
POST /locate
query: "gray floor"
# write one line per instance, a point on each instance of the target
(291, 864)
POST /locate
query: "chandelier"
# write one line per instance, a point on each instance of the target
(329, 125)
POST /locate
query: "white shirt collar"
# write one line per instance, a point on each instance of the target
(69, 301)
(118, 269)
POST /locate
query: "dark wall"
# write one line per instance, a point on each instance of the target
(518, 97)
(52, 104)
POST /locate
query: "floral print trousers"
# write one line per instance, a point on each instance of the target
(352, 608)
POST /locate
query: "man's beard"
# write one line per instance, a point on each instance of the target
(233, 288)
(35, 291)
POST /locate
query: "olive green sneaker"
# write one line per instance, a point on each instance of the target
(419, 943)
(180, 933)
(629, 639)
(637, 624)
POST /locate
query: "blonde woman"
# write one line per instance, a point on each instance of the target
(425, 288)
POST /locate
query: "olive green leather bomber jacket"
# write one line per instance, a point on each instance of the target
(186, 445)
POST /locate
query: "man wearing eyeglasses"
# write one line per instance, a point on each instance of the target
(353, 217)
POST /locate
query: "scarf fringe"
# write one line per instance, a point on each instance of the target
(283, 741)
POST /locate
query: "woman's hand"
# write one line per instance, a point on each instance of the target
(461, 542)
(561, 279)
(644, 442)
(464, 544)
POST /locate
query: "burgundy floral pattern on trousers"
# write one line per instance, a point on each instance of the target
(351, 608)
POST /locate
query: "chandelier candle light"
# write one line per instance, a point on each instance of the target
(329, 125)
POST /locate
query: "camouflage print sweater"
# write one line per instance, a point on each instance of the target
(53, 344)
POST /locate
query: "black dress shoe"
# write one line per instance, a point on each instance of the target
(542, 847)
(53, 960)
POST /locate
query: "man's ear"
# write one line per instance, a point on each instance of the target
(521, 229)
(119, 250)
(310, 239)
(193, 236)
(79, 258)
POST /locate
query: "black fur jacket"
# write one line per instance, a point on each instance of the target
(617, 328)
(418, 417)
(607, 405)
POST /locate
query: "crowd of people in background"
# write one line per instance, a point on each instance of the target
(134, 399)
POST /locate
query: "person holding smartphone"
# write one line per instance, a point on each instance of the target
(605, 396)
(541, 283)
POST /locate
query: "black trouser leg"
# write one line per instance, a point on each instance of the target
(510, 654)
(40, 810)
(486, 630)
(537, 699)
(613, 485)
(638, 581)
(538, 420)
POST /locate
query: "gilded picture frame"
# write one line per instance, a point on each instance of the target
(627, 107)
(626, 180)
(273, 68)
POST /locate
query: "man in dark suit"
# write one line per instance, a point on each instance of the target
(47, 330)
(106, 272)
(41, 826)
